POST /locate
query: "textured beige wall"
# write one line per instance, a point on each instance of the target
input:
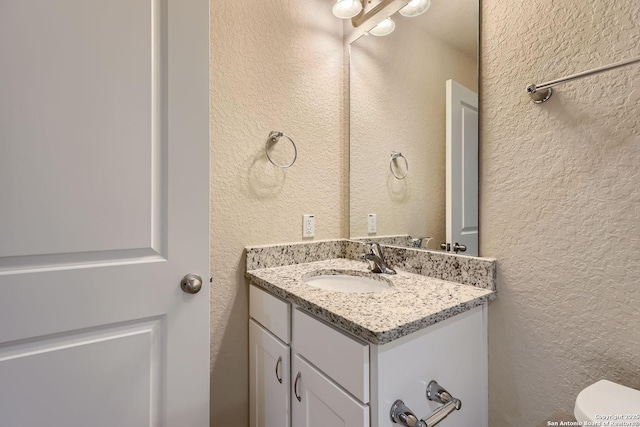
(275, 65)
(560, 186)
(560, 204)
(398, 103)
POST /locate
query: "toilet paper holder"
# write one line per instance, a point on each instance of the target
(401, 414)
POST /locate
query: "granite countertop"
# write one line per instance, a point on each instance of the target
(413, 302)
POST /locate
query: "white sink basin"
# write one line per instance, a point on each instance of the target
(345, 281)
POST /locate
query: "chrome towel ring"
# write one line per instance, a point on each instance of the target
(395, 155)
(275, 137)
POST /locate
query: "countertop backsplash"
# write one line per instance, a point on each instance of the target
(474, 271)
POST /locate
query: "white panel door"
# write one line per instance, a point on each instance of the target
(269, 373)
(103, 209)
(462, 167)
(319, 402)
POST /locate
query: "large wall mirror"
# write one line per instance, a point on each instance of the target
(399, 85)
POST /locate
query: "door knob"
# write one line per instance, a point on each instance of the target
(191, 283)
(457, 247)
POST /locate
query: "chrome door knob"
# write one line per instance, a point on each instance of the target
(191, 283)
(460, 248)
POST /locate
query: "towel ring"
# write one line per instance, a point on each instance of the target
(275, 137)
(394, 156)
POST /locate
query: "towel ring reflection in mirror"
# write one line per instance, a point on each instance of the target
(394, 156)
(275, 137)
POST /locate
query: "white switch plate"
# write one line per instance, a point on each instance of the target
(372, 225)
(308, 225)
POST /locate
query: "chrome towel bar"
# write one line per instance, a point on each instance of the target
(401, 414)
(541, 93)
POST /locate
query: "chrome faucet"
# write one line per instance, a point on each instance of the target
(416, 242)
(375, 257)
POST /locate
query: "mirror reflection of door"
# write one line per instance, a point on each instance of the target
(462, 168)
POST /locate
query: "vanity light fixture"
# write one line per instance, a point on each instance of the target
(374, 20)
(384, 28)
(346, 9)
(415, 8)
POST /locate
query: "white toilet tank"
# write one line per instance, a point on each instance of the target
(608, 401)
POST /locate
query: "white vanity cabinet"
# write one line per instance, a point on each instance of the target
(327, 381)
(330, 378)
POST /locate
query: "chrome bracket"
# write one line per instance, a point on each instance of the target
(437, 393)
(401, 414)
(539, 95)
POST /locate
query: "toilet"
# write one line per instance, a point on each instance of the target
(607, 401)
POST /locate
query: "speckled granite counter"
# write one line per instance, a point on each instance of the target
(413, 302)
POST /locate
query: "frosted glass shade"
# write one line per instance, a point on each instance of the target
(415, 8)
(346, 9)
(382, 29)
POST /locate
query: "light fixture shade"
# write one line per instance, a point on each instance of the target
(382, 29)
(415, 8)
(346, 9)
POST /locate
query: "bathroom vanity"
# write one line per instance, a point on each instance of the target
(328, 358)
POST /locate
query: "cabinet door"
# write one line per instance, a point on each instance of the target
(319, 402)
(269, 369)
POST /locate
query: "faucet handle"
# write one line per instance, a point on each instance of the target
(374, 248)
(376, 259)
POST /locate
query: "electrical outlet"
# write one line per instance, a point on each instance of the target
(308, 225)
(372, 225)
